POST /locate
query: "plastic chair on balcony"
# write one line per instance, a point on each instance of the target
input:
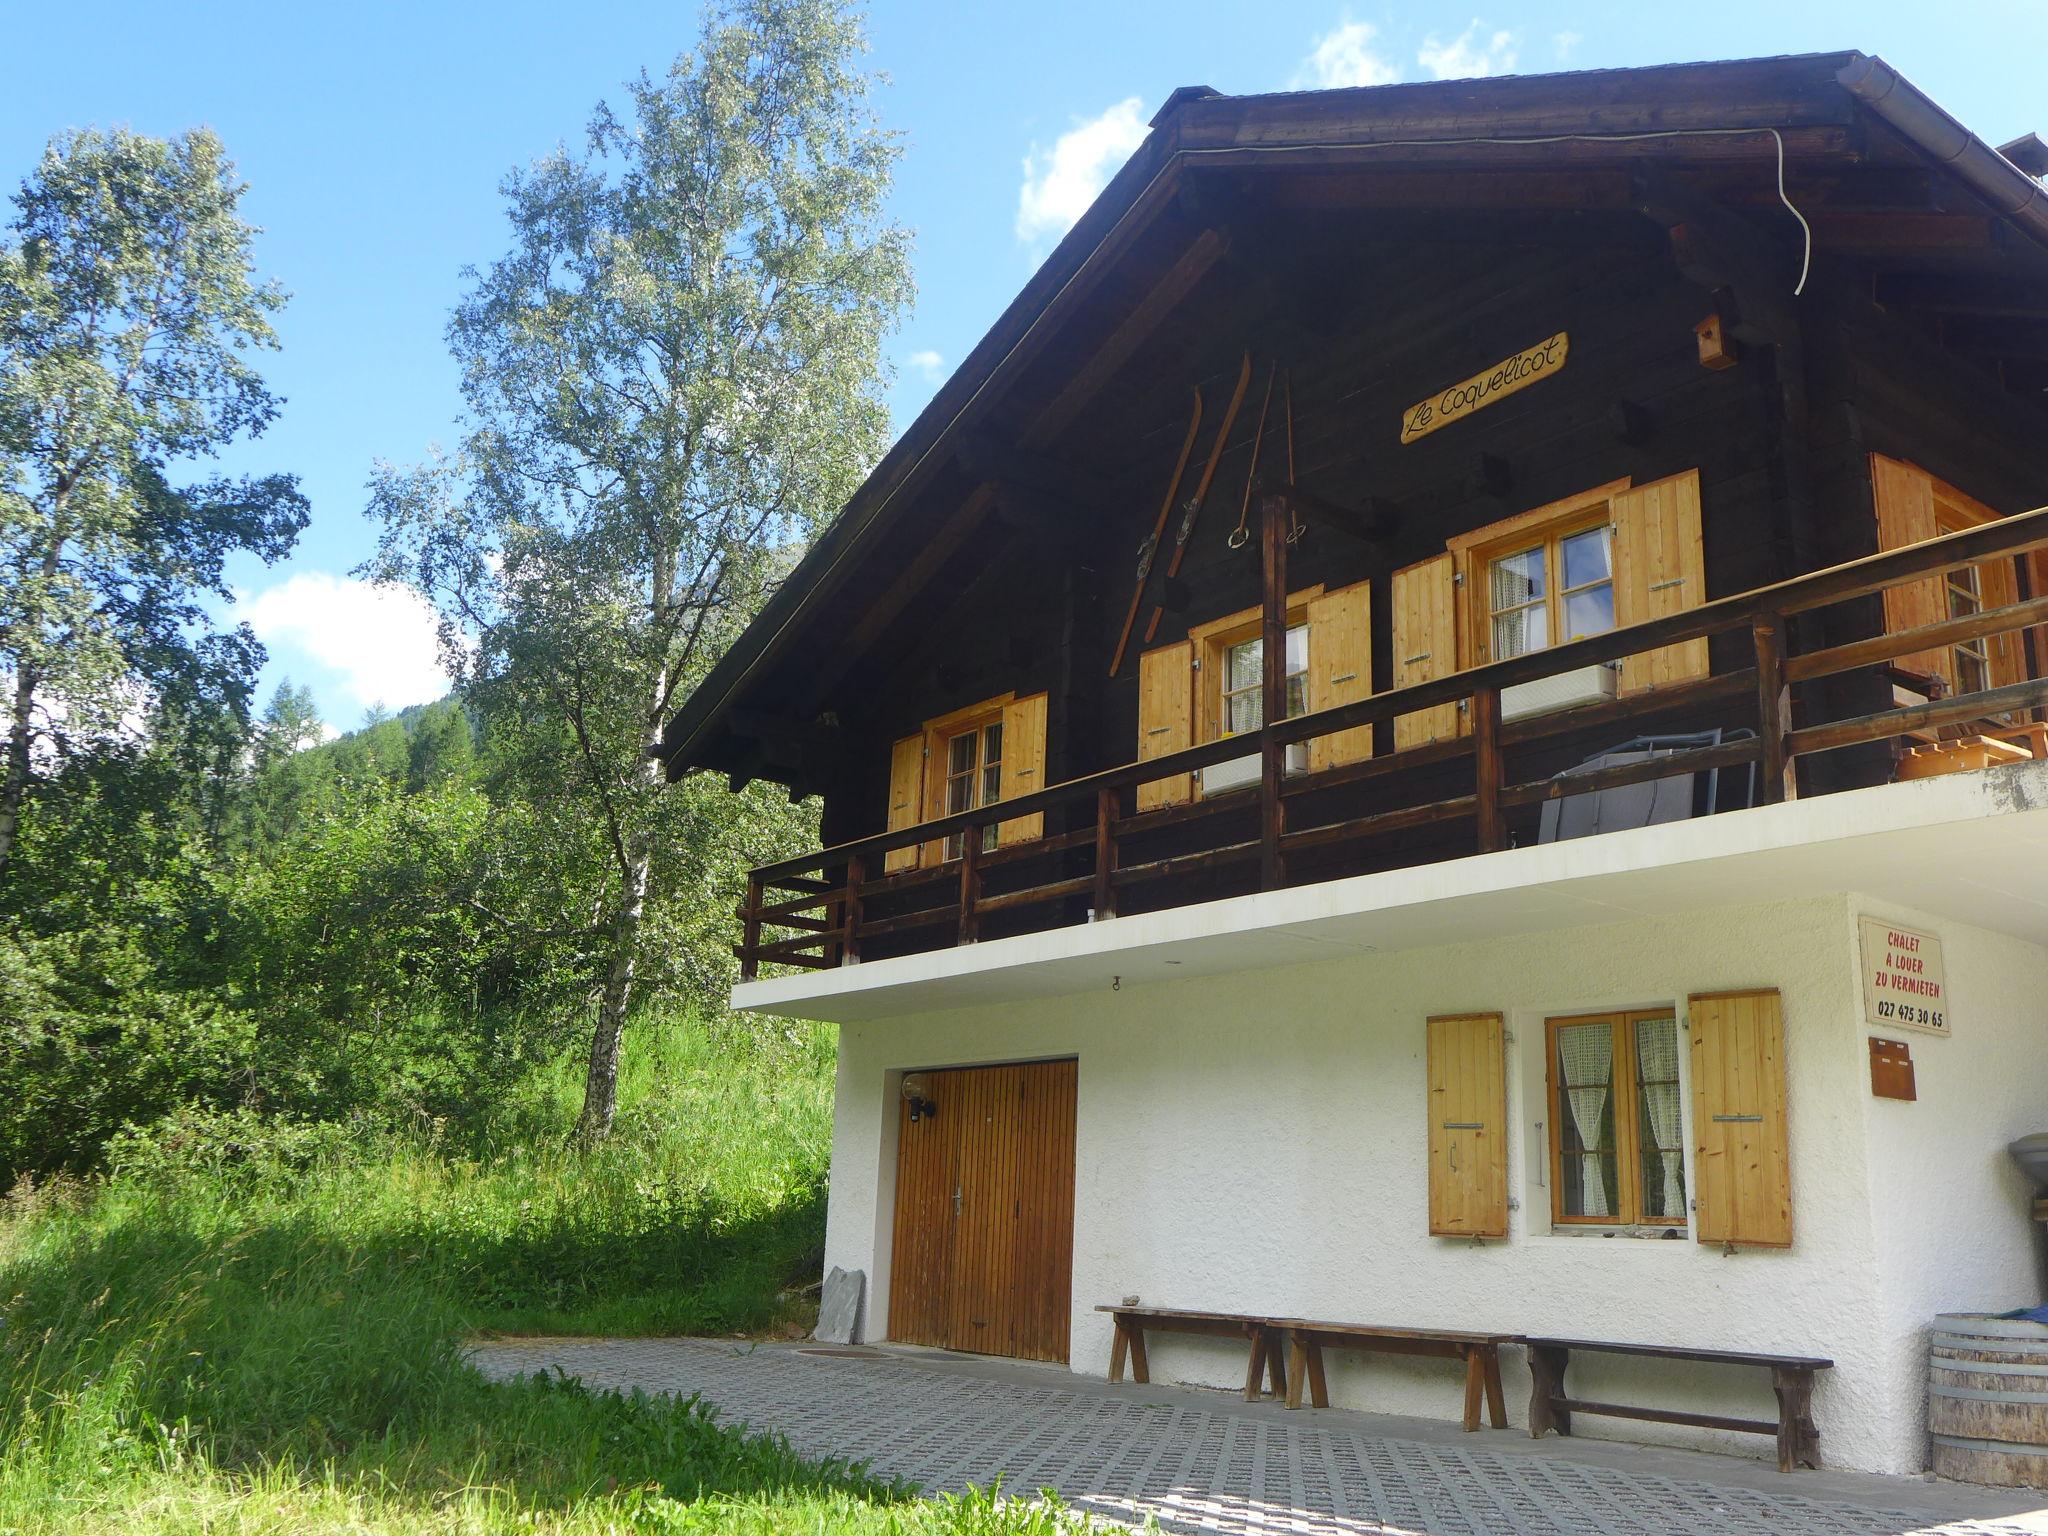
(1675, 797)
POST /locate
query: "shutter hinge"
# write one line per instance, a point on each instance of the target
(1457, 578)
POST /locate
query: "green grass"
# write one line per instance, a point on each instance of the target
(239, 1334)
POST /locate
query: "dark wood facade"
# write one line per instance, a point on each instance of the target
(1365, 269)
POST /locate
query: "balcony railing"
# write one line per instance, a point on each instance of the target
(819, 910)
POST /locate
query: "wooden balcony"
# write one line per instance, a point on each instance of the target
(1775, 708)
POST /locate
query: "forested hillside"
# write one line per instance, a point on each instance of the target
(242, 922)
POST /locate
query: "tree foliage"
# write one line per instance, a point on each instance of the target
(129, 310)
(673, 377)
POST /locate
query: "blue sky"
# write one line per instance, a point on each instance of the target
(374, 136)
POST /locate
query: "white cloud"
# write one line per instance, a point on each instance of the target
(1566, 43)
(1060, 183)
(1468, 56)
(926, 362)
(379, 641)
(1345, 56)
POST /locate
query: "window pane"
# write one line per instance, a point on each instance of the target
(1585, 1115)
(960, 753)
(1590, 612)
(1516, 579)
(991, 784)
(1585, 558)
(1662, 1143)
(1591, 1184)
(992, 744)
(1519, 632)
(960, 793)
(1297, 648)
(1297, 695)
(1241, 665)
(1241, 711)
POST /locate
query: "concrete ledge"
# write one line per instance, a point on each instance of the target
(1972, 846)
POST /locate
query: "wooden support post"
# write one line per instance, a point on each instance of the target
(1486, 759)
(1773, 708)
(750, 931)
(1109, 806)
(970, 884)
(849, 911)
(1547, 1365)
(1273, 692)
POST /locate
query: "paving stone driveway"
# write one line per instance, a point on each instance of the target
(1202, 1461)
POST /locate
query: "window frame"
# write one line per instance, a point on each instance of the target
(1548, 525)
(1627, 1126)
(939, 734)
(1211, 644)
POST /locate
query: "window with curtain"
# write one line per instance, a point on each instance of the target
(1244, 680)
(1556, 590)
(974, 777)
(1616, 1142)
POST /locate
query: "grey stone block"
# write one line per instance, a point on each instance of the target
(839, 1307)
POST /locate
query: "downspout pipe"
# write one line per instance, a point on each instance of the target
(1902, 104)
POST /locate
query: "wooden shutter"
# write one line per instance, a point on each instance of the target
(1659, 569)
(1166, 697)
(1742, 1168)
(906, 797)
(1023, 765)
(1468, 1117)
(1426, 645)
(1340, 669)
(1905, 515)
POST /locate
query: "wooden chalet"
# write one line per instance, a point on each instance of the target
(1371, 733)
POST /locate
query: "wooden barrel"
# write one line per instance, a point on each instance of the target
(1987, 1400)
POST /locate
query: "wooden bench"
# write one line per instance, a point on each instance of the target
(1552, 1407)
(1479, 1351)
(1261, 1333)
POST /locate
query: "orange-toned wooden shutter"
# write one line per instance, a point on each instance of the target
(1023, 765)
(1166, 698)
(906, 798)
(1905, 515)
(1659, 569)
(1340, 669)
(1468, 1122)
(1426, 645)
(1742, 1165)
(1998, 585)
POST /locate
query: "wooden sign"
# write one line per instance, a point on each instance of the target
(1485, 387)
(1891, 1069)
(1904, 984)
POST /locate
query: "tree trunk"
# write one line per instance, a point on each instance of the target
(15, 784)
(601, 1080)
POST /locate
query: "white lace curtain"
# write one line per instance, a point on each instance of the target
(1657, 1067)
(1585, 1054)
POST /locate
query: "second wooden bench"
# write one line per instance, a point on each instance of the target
(1479, 1351)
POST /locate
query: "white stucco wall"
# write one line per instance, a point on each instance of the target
(1950, 1210)
(1257, 1142)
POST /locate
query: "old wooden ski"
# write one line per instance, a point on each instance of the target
(1193, 508)
(1150, 547)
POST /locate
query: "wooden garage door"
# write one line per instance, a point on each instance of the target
(984, 1243)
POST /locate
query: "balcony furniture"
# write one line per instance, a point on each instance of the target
(1479, 1351)
(1551, 1406)
(1262, 1333)
(1647, 804)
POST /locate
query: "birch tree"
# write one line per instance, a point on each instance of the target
(672, 377)
(129, 313)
